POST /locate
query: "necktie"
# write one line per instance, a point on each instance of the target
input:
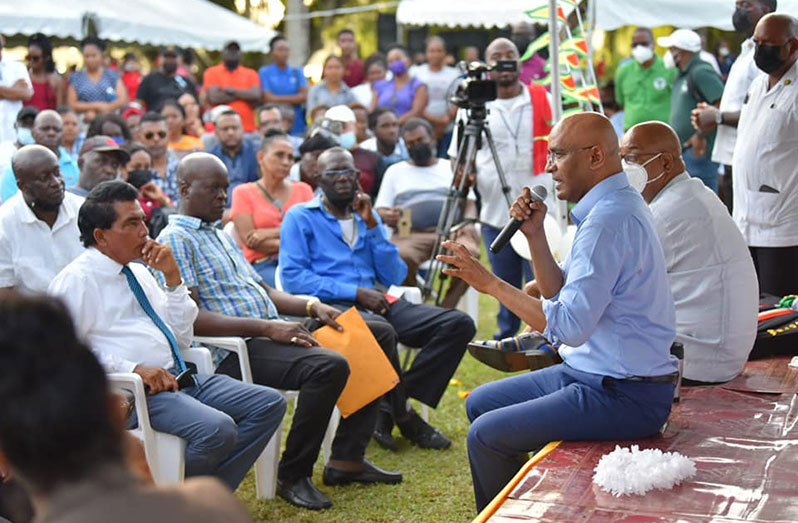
(138, 292)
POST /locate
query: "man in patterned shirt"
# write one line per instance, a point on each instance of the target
(235, 301)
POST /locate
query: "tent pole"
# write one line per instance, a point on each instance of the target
(560, 206)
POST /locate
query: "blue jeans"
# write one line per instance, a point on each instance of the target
(266, 269)
(510, 267)
(226, 424)
(521, 414)
(702, 168)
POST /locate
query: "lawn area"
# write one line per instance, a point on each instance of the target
(437, 484)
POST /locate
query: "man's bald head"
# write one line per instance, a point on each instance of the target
(583, 151)
(501, 45)
(776, 39)
(48, 129)
(656, 147)
(203, 182)
(334, 155)
(504, 49)
(38, 177)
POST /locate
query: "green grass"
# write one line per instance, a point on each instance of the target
(437, 484)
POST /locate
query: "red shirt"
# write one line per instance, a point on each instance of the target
(241, 78)
(354, 73)
(131, 81)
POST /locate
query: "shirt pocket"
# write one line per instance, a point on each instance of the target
(763, 208)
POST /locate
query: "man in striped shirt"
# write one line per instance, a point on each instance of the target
(233, 300)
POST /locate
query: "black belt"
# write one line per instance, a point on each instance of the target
(671, 378)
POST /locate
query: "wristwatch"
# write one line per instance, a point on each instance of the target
(719, 118)
(309, 306)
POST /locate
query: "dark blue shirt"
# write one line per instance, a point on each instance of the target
(283, 82)
(315, 259)
(241, 168)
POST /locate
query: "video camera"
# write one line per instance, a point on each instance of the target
(475, 90)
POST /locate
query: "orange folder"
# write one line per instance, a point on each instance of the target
(370, 373)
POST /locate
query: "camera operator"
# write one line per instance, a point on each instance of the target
(519, 120)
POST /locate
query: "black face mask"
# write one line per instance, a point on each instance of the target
(420, 153)
(768, 58)
(742, 22)
(231, 64)
(170, 67)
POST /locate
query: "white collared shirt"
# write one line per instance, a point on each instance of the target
(31, 253)
(742, 73)
(510, 123)
(765, 173)
(10, 73)
(712, 279)
(109, 318)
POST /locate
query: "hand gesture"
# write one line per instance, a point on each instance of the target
(466, 267)
(160, 257)
(290, 332)
(327, 314)
(153, 192)
(156, 379)
(390, 215)
(372, 300)
(362, 206)
(530, 212)
(703, 117)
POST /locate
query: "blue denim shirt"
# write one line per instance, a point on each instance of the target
(315, 259)
(241, 168)
(614, 314)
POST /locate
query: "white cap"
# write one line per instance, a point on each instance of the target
(213, 114)
(681, 39)
(340, 113)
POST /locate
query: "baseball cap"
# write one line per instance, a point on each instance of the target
(340, 113)
(104, 144)
(28, 111)
(681, 39)
(171, 50)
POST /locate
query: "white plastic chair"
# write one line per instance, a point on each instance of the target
(267, 463)
(165, 452)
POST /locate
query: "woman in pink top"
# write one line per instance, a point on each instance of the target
(258, 207)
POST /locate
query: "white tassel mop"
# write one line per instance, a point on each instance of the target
(633, 471)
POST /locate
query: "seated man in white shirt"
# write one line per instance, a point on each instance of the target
(710, 270)
(421, 186)
(133, 325)
(38, 225)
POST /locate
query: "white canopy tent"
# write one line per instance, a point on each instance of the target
(188, 23)
(610, 14)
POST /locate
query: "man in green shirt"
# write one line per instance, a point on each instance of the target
(696, 82)
(643, 84)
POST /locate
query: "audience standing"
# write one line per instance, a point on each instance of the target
(165, 83)
(376, 69)
(406, 95)
(765, 175)
(282, 83)
(48, 87)
(386, 142)
(354, 72)
(39, 226)
(96, 89)
(438, 77)
(15, 88)
(230, 83)
(331, 90)
(533, 68)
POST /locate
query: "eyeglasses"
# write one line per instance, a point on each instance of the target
(335, 174)
(151, 135)
(556, 156)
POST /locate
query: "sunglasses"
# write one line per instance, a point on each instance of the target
(151, 135)
(335, 174)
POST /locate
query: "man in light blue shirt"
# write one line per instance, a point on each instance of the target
(47, 131)
(609, 309)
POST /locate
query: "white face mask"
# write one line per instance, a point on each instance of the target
(637, 174)
(670, 63)
(642, 53)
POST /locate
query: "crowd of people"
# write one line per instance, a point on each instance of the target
(155, 208)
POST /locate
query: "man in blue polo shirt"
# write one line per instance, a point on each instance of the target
(609, 309)
(47, 131)
(284, 84)
(237, 154)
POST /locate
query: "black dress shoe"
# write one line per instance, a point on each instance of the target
(382, 432)
(422, 433)
(303, 493)
(370, 474)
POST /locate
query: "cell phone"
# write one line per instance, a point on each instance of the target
(185, 379)
(405, 223)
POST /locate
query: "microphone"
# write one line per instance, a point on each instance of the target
(538, 193)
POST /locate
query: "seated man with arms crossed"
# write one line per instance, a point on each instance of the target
(133, 325)
(234, 300)
(712, 276)
(63, 433)
(608, 308)
(334, 247)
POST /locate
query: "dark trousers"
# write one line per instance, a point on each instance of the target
(726, 188)
(776, 269)
(512, 268)
(516, 415)
(319, 375)
(441, 334)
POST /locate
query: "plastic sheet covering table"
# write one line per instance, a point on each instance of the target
(744, 444)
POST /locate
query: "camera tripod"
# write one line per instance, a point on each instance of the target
(471, 141)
